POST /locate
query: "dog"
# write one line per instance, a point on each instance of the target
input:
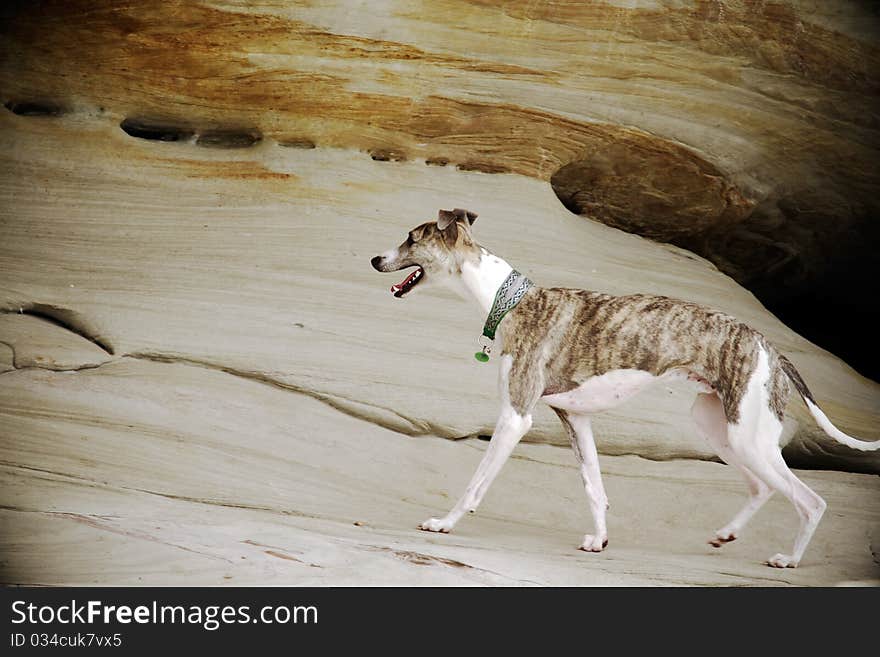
(584, 352)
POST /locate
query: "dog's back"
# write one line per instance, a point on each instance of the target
(569, 335)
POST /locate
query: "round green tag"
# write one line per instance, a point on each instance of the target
(482, 356)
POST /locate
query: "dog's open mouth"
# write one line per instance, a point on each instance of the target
(408, 283)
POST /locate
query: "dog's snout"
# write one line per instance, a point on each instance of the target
(376, 262)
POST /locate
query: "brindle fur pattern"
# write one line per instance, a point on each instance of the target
(557, 340)
(561, 337)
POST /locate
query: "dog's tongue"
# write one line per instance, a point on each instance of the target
(401, 288)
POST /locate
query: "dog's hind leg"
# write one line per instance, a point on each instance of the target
(708, 414)
(580, 432)
(754, 441)
(509, 429)
(759, 452)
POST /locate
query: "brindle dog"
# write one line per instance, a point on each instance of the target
(584, 352)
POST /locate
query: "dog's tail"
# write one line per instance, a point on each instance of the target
(820, 417)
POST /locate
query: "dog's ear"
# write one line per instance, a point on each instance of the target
(446, 218)
(471, 217)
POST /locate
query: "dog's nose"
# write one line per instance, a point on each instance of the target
(375, 262)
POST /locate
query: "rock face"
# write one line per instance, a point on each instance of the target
(169, 473)
(191, 194)
(743, 130)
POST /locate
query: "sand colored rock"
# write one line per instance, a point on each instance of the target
(162, 473)
(189, 199)
(257, 262)
(743, 129)
(35, 341)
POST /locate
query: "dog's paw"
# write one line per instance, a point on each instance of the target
(436, 525)
(782, 561)
(594, 543)
(721, 537)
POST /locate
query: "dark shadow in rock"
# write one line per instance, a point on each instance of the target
(827, 292)
(297, 142)
(437, 161)
(387, 155)
(231, 138)
(155, 130)
(34, 108)
(66, 319)
(484, 167)
(657, 189)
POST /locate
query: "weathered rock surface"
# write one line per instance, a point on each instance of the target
(257, 262)
(744, 129)
(164, 473)
(187, 212)
(34, 341)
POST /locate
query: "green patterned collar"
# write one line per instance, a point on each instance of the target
(508, 296)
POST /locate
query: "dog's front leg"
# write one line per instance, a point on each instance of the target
(581, 433)
(511, 427)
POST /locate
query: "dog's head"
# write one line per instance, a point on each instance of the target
(436, 249)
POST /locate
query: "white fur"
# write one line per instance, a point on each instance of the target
(481, 281)
(708, 414)
(838, 435)
(585, 450)
(390, 255)
(600, 393)
(604, 392)
(510, 428)
(753, 443)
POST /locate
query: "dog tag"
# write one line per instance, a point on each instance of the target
(482, 356)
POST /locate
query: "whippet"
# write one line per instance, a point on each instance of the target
(583, 352)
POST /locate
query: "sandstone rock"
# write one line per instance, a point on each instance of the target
(255, 261)
(755, 120)
(35, 341)
(191, 195)
(142, 473)
(7, 358)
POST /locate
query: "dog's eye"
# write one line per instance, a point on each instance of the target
(414, 236)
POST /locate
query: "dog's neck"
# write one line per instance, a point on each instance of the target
(482, 279)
